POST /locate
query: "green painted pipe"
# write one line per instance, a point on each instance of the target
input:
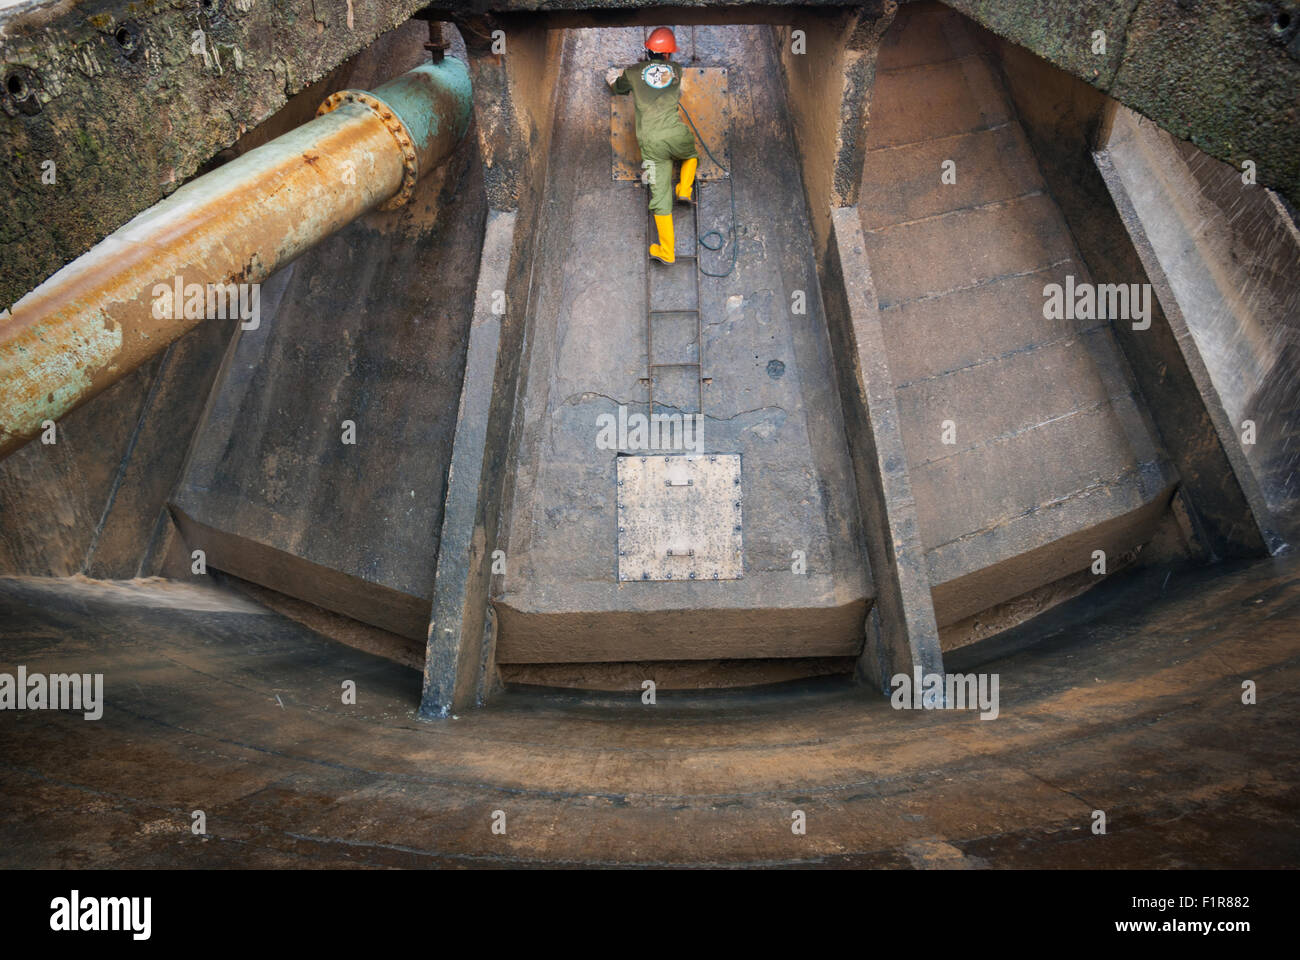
(220, 235)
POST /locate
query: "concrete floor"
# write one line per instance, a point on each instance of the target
(771, 397)
(214, 703)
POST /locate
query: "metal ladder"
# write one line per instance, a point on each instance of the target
(652, 235)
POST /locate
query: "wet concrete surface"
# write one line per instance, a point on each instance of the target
(1127, 701)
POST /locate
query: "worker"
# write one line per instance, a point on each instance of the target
(656, 85)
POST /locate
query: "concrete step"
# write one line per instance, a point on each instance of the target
(1001, 398)
(903, 183)
(919, 333)
(933, 34)
(1007, 477)
(940, 255)
(1052, 457)
(911, 104)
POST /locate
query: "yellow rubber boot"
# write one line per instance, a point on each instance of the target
(664, 251)
(688, 179)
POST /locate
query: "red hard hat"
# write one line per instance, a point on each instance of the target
(661, 41)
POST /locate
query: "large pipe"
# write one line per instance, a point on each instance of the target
(109, 310)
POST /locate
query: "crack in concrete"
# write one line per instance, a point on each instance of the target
(587, 396)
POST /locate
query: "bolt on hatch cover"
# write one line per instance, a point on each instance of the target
(679, 517)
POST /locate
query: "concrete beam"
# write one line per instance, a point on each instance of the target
(829, 75)
(1222, 257)
(1225, 492)
(514, 113)
(460, 662)
(901, 630)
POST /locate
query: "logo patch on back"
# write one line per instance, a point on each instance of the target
(657, 75)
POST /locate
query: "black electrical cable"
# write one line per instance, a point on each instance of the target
(721, 240)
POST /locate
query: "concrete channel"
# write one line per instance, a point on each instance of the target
(951, 377)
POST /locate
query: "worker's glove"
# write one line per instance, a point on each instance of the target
(612, 75)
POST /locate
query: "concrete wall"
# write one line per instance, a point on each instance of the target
(813, 84)
(1221, 73)
(1229, 252)
(829, 87)
(96, 75)
(828, 58)
(94, 501)
(1048, 458)
(1063, 118)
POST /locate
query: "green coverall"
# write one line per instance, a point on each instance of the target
(659, 129)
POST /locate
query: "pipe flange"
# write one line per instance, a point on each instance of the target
(410, 162)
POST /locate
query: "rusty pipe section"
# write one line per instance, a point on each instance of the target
(216, 238)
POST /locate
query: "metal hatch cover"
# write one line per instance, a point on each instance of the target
(679, 517)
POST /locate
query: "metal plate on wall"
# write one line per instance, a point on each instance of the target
(679, 517)
(704, 95)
